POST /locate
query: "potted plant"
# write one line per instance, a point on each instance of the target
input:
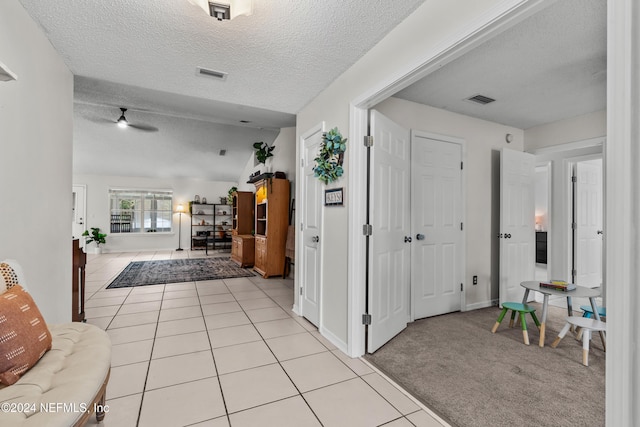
(230, 195)
(263, 151)
(95, 236)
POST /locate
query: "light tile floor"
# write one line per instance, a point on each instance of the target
(230, 353)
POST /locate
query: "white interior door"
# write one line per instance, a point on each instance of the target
(588, 219)
(436, 218)
(517, 222)
(78, 212)
(311, 228)
(389, 210)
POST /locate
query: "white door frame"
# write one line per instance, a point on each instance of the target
(548, 165)
(559, 236)
(83, 189)
(299, 265)
(463, 194)
(496, 20)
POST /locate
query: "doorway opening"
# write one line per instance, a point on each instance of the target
(543, 219)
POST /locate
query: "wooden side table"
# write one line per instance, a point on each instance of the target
(78, 282)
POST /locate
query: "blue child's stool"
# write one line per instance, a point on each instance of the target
(521, 309)
(587, 311)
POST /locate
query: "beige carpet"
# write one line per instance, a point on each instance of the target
(471, 377)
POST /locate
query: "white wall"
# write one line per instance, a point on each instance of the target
(184, 190)
(578, 128)
(432, 27)
(483, 141)
(283, 160)
(35, 141)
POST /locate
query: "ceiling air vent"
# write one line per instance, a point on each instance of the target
(481, 99)
(211, 73)
(222, 152)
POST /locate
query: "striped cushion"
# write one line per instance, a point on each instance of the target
(24, 336)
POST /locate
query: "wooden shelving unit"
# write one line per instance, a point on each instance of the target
(242, 242)
(271, 223)
(210, 226)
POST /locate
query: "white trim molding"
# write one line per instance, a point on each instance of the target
(622, 213)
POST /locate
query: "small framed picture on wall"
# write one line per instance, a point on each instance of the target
(333, 197)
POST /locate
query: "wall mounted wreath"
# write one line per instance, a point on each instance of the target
(328, 166)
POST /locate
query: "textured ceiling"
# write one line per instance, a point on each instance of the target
(143, 55)
(549, 67)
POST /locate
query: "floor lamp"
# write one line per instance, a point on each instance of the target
(180, 210)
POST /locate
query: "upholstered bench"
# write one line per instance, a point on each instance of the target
(66, 385)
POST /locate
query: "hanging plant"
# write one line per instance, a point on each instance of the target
(263, 151)
(328, 166)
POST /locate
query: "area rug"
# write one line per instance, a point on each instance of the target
(140, 273)
(471, 377)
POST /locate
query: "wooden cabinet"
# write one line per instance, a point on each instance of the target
(271, 224)
(243, 250)
(242, 212)
(78, 282)
(260, 255)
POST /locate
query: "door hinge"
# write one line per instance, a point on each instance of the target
(301, 163)
(461, 226)
(366, 319)
(574, 179)
(461, 165)
(574, 272)
(461, 287)
(368, 141)
(300, 290)
(367, 229)
(301, 227)
(574, 225)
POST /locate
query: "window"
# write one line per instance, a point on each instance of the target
(140, 211)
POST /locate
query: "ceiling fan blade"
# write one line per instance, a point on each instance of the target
(145, 128)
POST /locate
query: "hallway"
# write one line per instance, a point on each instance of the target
(229, 352)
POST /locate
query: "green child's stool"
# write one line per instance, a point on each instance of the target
(521, 309)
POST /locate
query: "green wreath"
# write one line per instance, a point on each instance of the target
(328, 166)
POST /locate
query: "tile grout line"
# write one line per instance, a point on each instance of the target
(213, 356)
(407, 394)
(278, 361)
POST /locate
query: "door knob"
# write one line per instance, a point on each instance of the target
(315, 239)
(599, 231)
(419, 236)
(407, 239)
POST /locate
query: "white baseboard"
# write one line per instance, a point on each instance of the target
(482, 304)
(342, 346)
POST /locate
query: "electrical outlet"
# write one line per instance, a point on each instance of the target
(475, 280)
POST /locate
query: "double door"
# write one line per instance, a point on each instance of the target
(416, 256)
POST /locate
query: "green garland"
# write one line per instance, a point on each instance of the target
(328, 166)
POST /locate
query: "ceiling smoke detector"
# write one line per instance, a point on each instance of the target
(481, 99)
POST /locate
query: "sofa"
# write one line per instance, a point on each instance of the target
(68, 383)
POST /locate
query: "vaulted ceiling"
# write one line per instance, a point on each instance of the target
(143, 55)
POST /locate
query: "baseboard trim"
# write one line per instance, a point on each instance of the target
(482, 304)
(333, 339)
